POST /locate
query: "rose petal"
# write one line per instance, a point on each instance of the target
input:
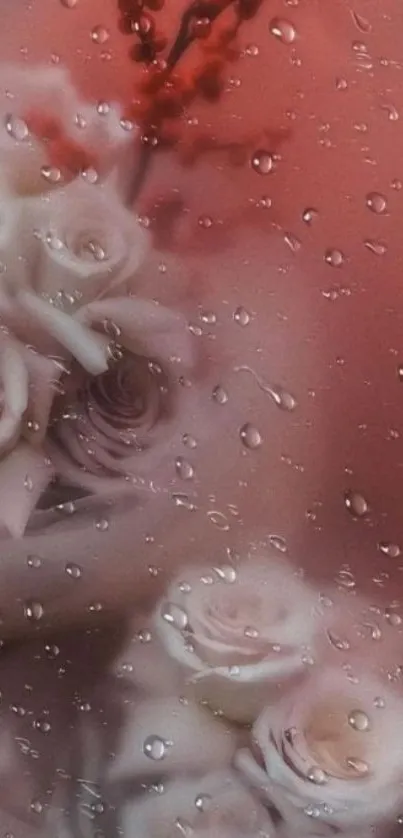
(145, 328)
(89, 242)
(165, 736)
(88, 347)
(24, 474)
(14, 384)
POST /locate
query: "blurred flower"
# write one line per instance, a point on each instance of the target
(239, 633)
(215, 806)
(328, 756)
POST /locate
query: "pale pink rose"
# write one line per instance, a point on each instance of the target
(239, 633)
(329, 755)
(214, 806)
(169, 736)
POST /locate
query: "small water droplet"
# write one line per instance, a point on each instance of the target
(73, 570)
(51, 174)
(393, 618)
(34, 561)
(36, 806)
(250, 436)
(388, 548)
(339, 643)
(283, 30)
(376, 247)
(154, 747)
(356, 504)
(16, 127)
(205, 222)
(33, 611)
(202, 802)
(189, 441)
(346, 579)
(262, 162)
(309, 214)
(69, 4)
(278, 542)
(175, 616)
(28, 483)
(334, 258)
(241, 316)
(218, 519)
(184, 469)
(220, 395)
(317, 775)
(227, 573)
(102, 524)
(361, 22)
(376, 202)
(359, 721)
(100, 34)
(358, 765)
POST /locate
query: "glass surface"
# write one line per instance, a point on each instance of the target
(201, 372)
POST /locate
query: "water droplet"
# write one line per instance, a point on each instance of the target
(317, 775)
(218, 519)
(28, 483)
(376, 202)
(202, 802)
(339, 643)
(358, 765)
(388, 548)
(283, 399)
(36, 807)
(356, 504)
(100, 34)
(278, 542)
(69, 4)
(250, 436)
(309, 214)
(334, 258)
(227, 573)
(34, 561)
(376, 247)
(51, 174)
(102, 524)
(359, 720)
(208, 317)
(73, 570)
(16, 127)
(241, 316)
(220, 395)
(361, 22)
(175, 616)
(154, 747)
(262, 162)
(346, 579)
(283, 30)
(33, 611)
(205, 222)
(393, 618)
(189, 441)
(184, 469)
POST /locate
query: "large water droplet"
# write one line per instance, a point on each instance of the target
(317, 775)
(154, 747)
(359, 720)
(184, 469)
(334, 258)
(73, 570)
(175, 616)
(16, 127)
(34, 561)
(358, 765)
(377, 247)
(220, 395)
(356, 504)
(283, 30)
(376, 202)
(241, 316)
(100, 34)
(262, 162)
(202, 802)
(33, 611)
(388, 548)
(250, 436)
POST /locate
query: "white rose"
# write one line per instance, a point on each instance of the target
(239, 634)
(214, 806)
(83, 241)
(48, 134)
(329, 754)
